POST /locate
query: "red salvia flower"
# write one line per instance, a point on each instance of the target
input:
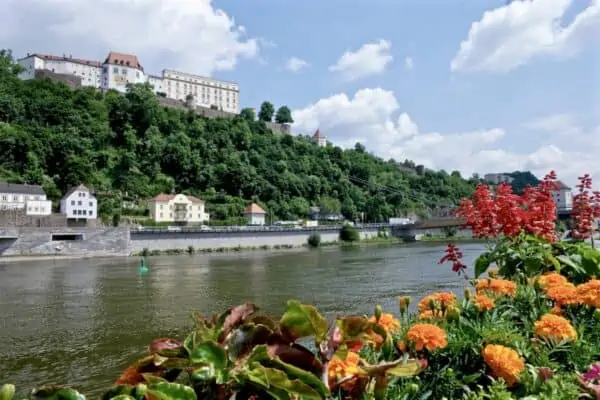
(508, 214)
(586, 208)
(454, 255)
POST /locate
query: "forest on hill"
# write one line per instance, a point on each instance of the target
(128, 148)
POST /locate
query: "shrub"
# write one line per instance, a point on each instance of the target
(314, 240)
(349, 234)
(191, 250)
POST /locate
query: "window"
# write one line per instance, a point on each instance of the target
(16, 198)
(116, 70)
(72, 202)
(170, 215)
(91, 204)
(79, 203)
(123, 71)
(161, 206)
(137, 74)
(74, 212)
(161, 215)
(37, 209)
(82, 194)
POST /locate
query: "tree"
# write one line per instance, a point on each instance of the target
(266, 112)
(284, 115)
(248, 114)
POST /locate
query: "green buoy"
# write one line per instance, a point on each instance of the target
(143, 266)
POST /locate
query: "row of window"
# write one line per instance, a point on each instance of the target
(36, 209)
(82, 212)
(80, 203)
(189, 216)
(161, 206)
(201, 82)
(16, 197)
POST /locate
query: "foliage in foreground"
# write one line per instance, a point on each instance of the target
(529, 330)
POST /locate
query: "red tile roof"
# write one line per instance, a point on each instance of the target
(127, 60)
(194, 199)
(71, 59)
(318, 135)
(254, 209)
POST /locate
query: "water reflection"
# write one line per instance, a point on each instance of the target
(81, 322)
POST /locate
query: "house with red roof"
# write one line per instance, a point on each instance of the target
(255, 215)
(177, 208)
(319, 139)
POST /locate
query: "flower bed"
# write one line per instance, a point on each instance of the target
(528, 326)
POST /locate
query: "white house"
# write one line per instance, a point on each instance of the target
(119, 70)
(319, 139)
(30, 198)
(90, 72)
(255, 215)
(563, 197)
(177, 208)
(496, 179)
(79, 203)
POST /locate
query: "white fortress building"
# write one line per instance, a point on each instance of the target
(118, 70)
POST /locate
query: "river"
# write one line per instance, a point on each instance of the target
(80, 322)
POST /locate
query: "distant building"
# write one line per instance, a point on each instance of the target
(118, 70)
(179, 208)
(319, 139)
(79, 203)
(30, 198)
(316, 215)
(496, 179)
(255, 215)
(563, 197)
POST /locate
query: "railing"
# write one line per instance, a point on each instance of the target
(245, 229)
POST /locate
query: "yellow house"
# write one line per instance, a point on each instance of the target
(178, 208)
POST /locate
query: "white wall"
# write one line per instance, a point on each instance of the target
(119, 76)
(255, 219)
(563, 199)
(80, 205)
(166, 211)
(38, 207)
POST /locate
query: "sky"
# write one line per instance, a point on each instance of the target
(476, 86)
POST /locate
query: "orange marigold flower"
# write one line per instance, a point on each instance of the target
(556, 310)
(555, 327)
(500, 287)
(440, 300)
(483, 302)
(431, 314)
(551, 279)
(563, 294)
(504, 362)
(387, 321)
(339, 369)
(427, 336)
(589, 293)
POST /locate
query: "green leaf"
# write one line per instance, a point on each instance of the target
(573, 261)
(353, 327)
(278, 379)
(56, 393)
(398, 368)
(301, 320)
(7, 391)
(246, 337)
(310, 379)
(123, 397)
(482, 263)
(209, 353)
(590, 261)
(171, 391)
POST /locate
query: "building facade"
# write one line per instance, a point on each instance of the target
(79, 203)
(497, 179)
(319, 139)
(118, 70)
(255, 215)
(563, 197)
(178, 208)
(30, 198)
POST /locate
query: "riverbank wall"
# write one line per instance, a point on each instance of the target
(103, 242)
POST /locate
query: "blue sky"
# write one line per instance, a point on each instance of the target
(477, 86)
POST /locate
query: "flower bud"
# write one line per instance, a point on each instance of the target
(404, 302)
(597, 314)
(378, 312)
(467, 293)
(7, 391)
(453, 314)
(412, 389)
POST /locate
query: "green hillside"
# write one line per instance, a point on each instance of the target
(128, 148)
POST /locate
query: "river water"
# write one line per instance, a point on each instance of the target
(81, 322)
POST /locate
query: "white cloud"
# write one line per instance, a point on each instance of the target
(409, 63)
(370, 59)
(295, 64)
(190, 35)
(373, 117)
(512, 35)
